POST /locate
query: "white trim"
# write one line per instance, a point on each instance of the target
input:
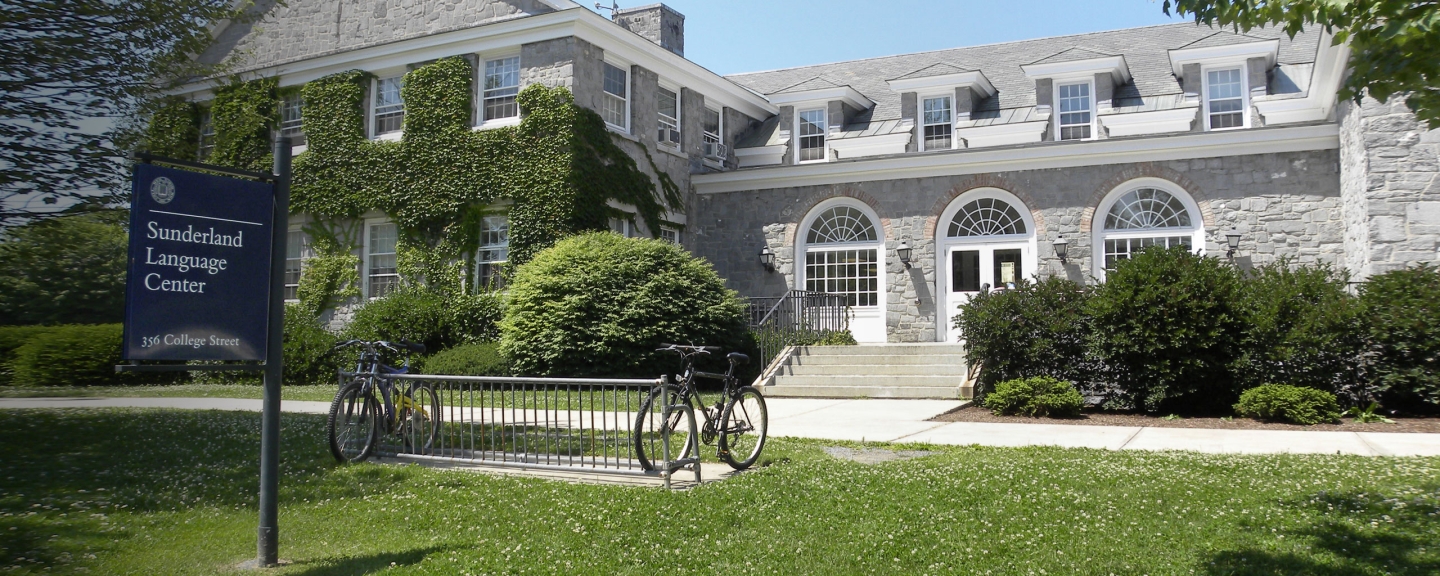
(371, 125)
(824, 95)
(824, 135)
(1039, 157)
(1001, 134)
(973, 80)
(1120, 124)
(1089, 82)
(873, 316)
(483, 61)
(629, 91)
(760, 156)
(1319, 100)
(367, 223)
(1227, 55)
(1102, 210)
(497, 123)
(920, 125)
(1115, 66)
(849, 148)
(1244, 71)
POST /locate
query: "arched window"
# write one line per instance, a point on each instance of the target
(1145, 213)
(841, 224)
(842, 255)
(986, 217)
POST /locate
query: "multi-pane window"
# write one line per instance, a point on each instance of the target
(1075, 112)
(812, 135)
(1225, 98)
(670, 235)
(714, 146)
(937, 125)
(297, 250)
(616, 106)
(494, 251)
(669, 119)
(502, 83)
(1145, 217)
(291, 115)
(207, 136)
(853, 274)
(986, 217)
(623, 227)
(1117, 249)
(389, 108)
(383, 277)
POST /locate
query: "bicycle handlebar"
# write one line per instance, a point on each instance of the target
(403, 345)
(682, 348)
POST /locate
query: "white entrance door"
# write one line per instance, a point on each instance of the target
(969, 268)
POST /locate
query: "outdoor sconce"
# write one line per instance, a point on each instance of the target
(767, 259)
(1062, 247)
(1232, 239)
(903, 251)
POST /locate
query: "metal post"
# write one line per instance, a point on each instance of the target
(269, 532)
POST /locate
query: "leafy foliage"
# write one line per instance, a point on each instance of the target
(1035, 329)
(599, 304)
(1368, 414)
(1294, 404)
(12, 337)
(243, 115)
(483, 359)
(1401, 309)
(308, 360)
(1393, 43)
(64, 270)
(76, 355)
(1167, 328)
(1301, 328)
(1036, 396)
(437, 320)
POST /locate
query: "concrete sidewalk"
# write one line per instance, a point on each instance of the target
(879, 420)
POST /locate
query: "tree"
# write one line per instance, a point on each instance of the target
(72, 67)
(64, 270)
(1393, 43)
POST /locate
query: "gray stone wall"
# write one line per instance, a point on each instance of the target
(1390, 182)
(658, 23)
(1283, 205)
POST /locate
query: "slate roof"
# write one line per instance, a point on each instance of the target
(816, 83)
(1145, 50)
(937, 69)
(1072, 55)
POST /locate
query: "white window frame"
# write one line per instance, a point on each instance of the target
(205, 143)
(824, 135)
(714, 141)
(606, 95)
(670, 234)
(374, 113)
(1099, 235)
(483, 120)
(920, 112)
(1090, 91)
(365, 275)
(307, 251)
(661, 119)
(292, 126)
(1243, 69)
(483, 247)
(625, 226)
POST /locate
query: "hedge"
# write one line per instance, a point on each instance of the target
(1035, 329)
(11, 338)
(77, 355)
(482, 359)
(1286, 403)
(1037, 396)
(1401, 313)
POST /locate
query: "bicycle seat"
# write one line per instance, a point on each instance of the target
(737, 358)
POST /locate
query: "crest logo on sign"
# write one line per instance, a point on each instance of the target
(162, 190)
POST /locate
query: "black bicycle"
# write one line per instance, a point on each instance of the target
(406, 409)
(740, 414)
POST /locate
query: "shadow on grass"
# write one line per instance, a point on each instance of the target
(1352, 533)
(368, 564)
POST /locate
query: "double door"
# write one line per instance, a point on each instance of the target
(971, 268)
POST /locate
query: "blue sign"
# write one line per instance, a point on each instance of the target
(199, 271)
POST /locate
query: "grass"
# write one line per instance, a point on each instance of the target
(173, 492)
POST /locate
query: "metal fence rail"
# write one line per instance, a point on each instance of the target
(798, 318)
(544, 423)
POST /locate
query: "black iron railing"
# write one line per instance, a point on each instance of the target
(798, 318)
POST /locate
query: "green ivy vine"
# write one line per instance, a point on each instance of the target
(174, 129)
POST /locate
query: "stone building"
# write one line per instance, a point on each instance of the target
(910, 182)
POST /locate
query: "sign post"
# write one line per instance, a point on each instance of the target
(206, 281)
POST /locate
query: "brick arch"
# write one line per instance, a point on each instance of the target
(1148, 170)
(983, 181)
(813, 199)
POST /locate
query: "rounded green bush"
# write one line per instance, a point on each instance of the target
(1287, 403)
(1036, 396)
(1037, 328)
(1401, 312)
(77, 355)
(308, 360)
(483, 359)
(1302, 327)
(436, 320)
(599, 304)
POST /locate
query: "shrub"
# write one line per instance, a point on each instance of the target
(1167, 330)
(308, 360)
(474, 318)
(12, 337)
(599, 304)
(1036, 329)
(1401, 312)
(1302, 327)
(1037, 396)
(429, 317)
(482, 359)
(1283, 402)
(77, 355)
(69, 269)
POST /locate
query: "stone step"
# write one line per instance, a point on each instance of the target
(878, 380)
(957, 370)
(896, 360)
(946, 392)
(882, 350)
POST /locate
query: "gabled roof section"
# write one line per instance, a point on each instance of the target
(1223, 38)
(937, 69)
(816, 83)
(1072, 55)
(819, 89)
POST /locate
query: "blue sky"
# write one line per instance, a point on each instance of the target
(732, 36)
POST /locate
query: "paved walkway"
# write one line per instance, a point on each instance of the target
(908, 421)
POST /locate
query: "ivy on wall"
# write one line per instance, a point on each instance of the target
(244, 114)
(174, 129)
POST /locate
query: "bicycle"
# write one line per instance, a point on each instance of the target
(741, 413)
(358, 418)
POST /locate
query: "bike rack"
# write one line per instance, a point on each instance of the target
(691, 463)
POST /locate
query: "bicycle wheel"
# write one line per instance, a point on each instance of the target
(419, 419)
(354, 424)
(742, 428)
(649, 443)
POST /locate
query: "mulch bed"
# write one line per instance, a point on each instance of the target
(972, 413)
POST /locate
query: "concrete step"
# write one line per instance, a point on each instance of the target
(947, 392)
(879, 380)
(895, 360)
(882, 350)
(957, 370)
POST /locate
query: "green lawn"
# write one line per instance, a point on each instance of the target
(173, 492)
(324, 393)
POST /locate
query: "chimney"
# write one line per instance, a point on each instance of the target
(658, 23)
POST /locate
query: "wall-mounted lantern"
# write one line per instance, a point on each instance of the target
(767, 259)
(1232, 239)
(903, 251)
(1062, 247)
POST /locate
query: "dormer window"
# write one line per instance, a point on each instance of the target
(389, 107)
(1225, 98)
(812, 136)
(1076, 111)
(937, 128)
